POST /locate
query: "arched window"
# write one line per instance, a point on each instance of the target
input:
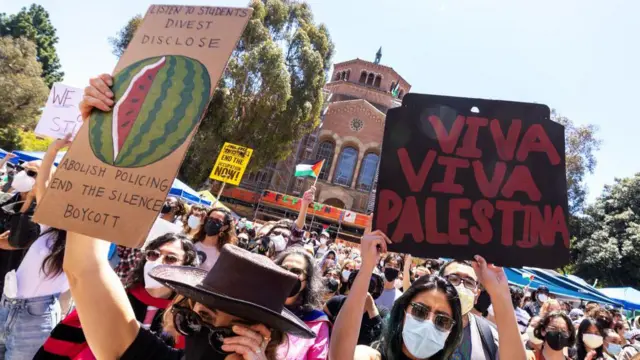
(337, 77)
(400, 94)
(368, 169)
(363, 77)
(348, 73)
(393, 85)
(345, 167)
(370, 79)
(325, 151)
(377, 82)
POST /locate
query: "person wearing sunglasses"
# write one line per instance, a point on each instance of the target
(305, 301)
(217, 231)
(426, 322)
(148, 299)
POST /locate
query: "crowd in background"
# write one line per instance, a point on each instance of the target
(228, 288)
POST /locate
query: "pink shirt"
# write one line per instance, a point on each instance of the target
(308, 349)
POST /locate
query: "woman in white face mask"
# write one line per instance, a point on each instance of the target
(148, 298)
(426, 321)
(194, 220)
(589, 339)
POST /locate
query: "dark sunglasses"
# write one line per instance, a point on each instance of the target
(188, 323)
(153, 255)
(421, 312)
(295, 271)
(285, 234)
(455, 280)
(29, 172)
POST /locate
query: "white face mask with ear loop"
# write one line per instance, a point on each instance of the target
(149, 282)
(23, 182)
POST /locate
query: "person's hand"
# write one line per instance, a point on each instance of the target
(371, 246)
(59, 144)
(591, 355)
(250, 344)
(4, 235)
(10, 156)
(97, 95)
(309, 195)
(369, 303)
(531, 355)
(408, 260)
(491, 277)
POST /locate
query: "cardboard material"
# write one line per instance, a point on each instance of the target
(231, 164)
(460, 177)
(115, 177)
(61, 115)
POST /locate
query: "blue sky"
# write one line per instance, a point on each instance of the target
(579, 57)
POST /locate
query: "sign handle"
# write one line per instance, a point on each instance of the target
(218, 196)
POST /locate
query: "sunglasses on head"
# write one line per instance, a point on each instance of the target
(153, 255)
(422, 312)
(188, 323)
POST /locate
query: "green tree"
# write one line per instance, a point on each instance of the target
(608, 245)
(29, 141)
(34, 24)
(124, 36)
(271, 92)
(22, 90)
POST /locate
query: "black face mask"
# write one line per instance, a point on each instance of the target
(213, 227)
(556, 340)
(391, 274)
(197, 347)
(166, 208)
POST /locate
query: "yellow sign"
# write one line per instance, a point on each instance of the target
(231, 163)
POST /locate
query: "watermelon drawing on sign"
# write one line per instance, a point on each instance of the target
(159, 102)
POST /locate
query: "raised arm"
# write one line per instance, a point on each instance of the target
(495, 281)
(45, 173)
(108, 321)
(6, 158)
(307, 199)
(347, 326)
(406, 273)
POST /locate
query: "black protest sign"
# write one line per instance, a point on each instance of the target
(461, 177)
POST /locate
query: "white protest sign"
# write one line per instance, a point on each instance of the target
(162, 227)
(61, 114)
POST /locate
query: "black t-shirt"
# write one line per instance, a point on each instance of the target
(371, 328)
(148, 346)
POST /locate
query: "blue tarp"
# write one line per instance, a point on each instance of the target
(178, 188)
(629, 297)
(519, 277)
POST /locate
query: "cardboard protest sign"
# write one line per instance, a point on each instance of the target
(231, 164)
(61, 115)
(114, 179)
(460, 177)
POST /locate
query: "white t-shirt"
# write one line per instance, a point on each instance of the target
(212, 254)
(31, 281)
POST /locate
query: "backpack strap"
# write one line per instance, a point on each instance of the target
(488, 342)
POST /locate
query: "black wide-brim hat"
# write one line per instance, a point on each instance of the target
(246, 285)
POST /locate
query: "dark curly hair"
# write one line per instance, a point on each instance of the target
(311, 296)
(136, 277)
(546, 320)
(227, 236)
(390, 344)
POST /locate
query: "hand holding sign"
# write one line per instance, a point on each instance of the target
(491, 277)
(97, 95)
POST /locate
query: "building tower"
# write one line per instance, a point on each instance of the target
(357, 97)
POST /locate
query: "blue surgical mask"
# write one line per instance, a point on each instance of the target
(422, 338)
(614, 349)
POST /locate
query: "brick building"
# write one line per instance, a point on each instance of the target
(357, 97)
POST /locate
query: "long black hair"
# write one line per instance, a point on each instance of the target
(136, 277)
(582, 329)
(52, 264)
(311, 296)
(390, 344)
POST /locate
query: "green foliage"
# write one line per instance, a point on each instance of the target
(124, 36)
(22, 90)
(34, 24)
(31, 142)
(607, 246)
(10, 138)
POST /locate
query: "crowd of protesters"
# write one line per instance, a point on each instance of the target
(223, 288)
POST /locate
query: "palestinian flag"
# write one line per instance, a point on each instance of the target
(309, 168)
